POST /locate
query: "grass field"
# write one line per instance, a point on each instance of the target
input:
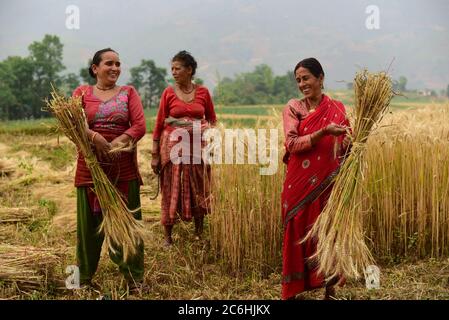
(36, 185)
(245, 116)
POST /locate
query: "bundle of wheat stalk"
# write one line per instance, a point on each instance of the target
(6, 168)
(26, 266)
(341, 246)
(120, 228)
(14, 215)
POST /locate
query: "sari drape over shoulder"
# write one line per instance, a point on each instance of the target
(308, 182)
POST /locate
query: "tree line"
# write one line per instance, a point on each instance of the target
(260, 86)
(25, 82)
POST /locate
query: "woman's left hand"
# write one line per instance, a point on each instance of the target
(121, 140)
(347, 141)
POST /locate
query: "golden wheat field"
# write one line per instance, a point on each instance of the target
(404, 204)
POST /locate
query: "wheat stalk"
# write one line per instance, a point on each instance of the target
(341, 246)
(121, 229)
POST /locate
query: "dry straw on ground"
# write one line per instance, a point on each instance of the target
(26, 266)
(6, 168)
(14, 215)
(120, 228)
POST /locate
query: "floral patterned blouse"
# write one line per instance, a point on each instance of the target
(121, 114)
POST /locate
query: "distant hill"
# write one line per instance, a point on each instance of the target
(229, 36)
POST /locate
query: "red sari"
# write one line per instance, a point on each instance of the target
(310, 171)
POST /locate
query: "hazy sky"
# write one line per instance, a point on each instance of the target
(230, 36)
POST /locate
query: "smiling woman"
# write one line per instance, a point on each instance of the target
(313, 127)
(115, 117)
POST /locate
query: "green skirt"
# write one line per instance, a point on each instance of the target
(89, 242)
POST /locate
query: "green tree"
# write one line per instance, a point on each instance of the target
(70, 82)
(402, 83)
(262, 78)
(16, 86)
(150, 81)
(25, 83)
(46, 57)
(224, 92)
(85, 76)
(7, 99)
(447, 91)
(284, 88)
(257, 87)
(199, 81)
(7, 102)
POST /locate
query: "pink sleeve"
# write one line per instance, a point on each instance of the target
(294, 143)
(136, 115)
(209, 109)
(162, 113)
(78, 92)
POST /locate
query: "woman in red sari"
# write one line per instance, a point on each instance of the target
(185, 186)
(314, 129)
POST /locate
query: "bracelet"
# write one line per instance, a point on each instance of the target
(93, 136)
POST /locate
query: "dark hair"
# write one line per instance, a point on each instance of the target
(186, 59)
(97, 59)
(311, 64)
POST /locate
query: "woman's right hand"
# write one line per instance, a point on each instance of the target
(335, 129)
(156, 164)
(102, 147)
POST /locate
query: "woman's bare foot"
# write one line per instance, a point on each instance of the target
(198, 227)
(297, 297)
(168, 241)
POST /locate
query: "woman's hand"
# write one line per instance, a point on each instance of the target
(156, 157)
(156, 163)
(335, 129)
(347, 142)
(120, 141)
(102, 147)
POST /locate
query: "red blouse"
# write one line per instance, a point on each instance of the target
(292, 115)
(294, 112)
(121, 114)
(201, 107)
